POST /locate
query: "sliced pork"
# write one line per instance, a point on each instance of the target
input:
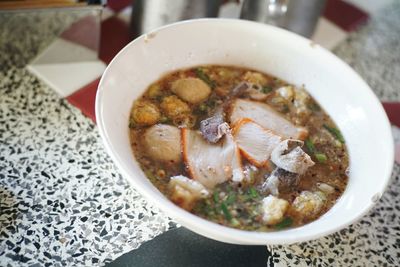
(211, 164)
(255, 142)
(268, 118)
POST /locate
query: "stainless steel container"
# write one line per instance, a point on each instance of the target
(150, 14)
(299, 16)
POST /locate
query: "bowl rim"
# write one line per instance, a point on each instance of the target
(214, 230)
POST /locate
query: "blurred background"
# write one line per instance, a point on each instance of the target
(68, 43)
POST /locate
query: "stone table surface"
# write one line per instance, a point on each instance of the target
(63, 202)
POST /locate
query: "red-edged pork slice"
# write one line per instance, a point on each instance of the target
(268, 118)
(211, 164)
(255, 142)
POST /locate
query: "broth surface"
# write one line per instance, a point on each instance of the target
(183, 99)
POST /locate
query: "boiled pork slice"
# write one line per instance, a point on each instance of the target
(255, 142)
(267, 117)
(211, 164)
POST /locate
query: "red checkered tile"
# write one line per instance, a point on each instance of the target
(85, 99)
(118, 5)
(345, 15)
(114, 36)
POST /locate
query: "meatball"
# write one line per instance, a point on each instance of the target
(192, 90)
(163, 143)
(145, 113)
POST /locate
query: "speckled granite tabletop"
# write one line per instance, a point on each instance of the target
(63, 202)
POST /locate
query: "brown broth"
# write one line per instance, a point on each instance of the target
(238, 205)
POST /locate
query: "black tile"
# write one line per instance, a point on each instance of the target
(181, 247)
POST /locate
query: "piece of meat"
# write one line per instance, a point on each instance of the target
(211, 164)
(273, 209)
(211, 129)
(162, 142)
(192, 90)
(255, 142)
(239, 89)
(289, 156)
(265, 116)
(256, 94)
(280, 181)
(210, 126)
(185, 192)
(325, 188)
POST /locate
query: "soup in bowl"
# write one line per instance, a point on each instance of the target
(243, 132)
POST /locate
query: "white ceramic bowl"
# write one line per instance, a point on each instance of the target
(340, 91)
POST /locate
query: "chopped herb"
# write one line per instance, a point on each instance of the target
(211, 103)
(132, 123)
(253, 192)
(200, 73)
(252, 174)
(164, 119)
(335, 132)
(235, 222)
(266, 89)
(203, 107)
(314, 107)
(231, 198)
(151, 176)
(216, 196)
(321, 157)
(310, 146)
(285, 109)
(226, 212)
(286, 222)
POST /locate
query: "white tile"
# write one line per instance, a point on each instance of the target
(125, 14)
(61, 50)
(66, 66)
(230, 10)
(328, 34)
(370, 6)
(66, 78)
(107, 13)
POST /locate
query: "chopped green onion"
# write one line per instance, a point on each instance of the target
(231, 198)
(226, 212)
(132, 123)
(310, 145)
(200, 73)
(164, 119)
(216, 196)
(253, 192)
(235, 222)
(285, 109)
(203, 107)
(321, 157)
(286, 222)
(266, 89)
(335, 132)
(314, 107)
